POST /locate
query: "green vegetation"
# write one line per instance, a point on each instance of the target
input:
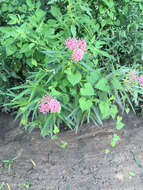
(27, 185)
(9, 163)
(2, 185)
(35, 62)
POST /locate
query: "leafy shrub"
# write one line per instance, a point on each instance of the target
(33, 51)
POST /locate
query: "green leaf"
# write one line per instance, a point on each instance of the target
(11, 50)
(113, 143)
(22, 8)
(105, 110)
(87, 10)
(74, 78)
(107, 151)
(87, 90)
(102, 85)
(51, 2)
(99, 44)
(114, 140)
(56, 130)
(14, 19)
(127, 110)
(30, 4)
(34, 62)
(54, 137)
(38, 4)
(64, 145)
(40, 14)
(27, 185)
(104, 53)
(44, 132)
(87, 66)
(55, 11)
(92, 77)
(23, 121)
(85, 104)
(116, 83)
(119, 124)
(9, 41)
(109, 3)
(31, 45)
(55, 92)
(132, 174)
(3, 77)
(6, 29)
(25, 48)
(115, 137)
(114, 111)
(73, 30)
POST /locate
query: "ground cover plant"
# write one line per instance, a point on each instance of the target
(64, 63)
(9, 163)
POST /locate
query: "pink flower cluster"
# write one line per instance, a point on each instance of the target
(133, 77)
(78, 47)
(49, 104)
(140, 78)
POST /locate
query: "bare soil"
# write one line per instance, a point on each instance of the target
(82, 165)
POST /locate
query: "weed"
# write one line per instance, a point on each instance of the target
(9, 163)
(27, 185)
(2, 185)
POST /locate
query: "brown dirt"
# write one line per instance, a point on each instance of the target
(83, 165)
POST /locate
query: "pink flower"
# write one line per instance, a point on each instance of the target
(44, 108)
(49, 104)
(140, 78)
(78, 47)
(81, 44)
(77, 54)
(71, 43)
(54, 106)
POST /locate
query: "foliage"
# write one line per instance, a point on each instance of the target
(9, 163)
(2, 185)
(27, 185)
(35, 62)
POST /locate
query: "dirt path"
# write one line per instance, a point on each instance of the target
(83, 165)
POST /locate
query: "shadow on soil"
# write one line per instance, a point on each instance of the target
(83, 165)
